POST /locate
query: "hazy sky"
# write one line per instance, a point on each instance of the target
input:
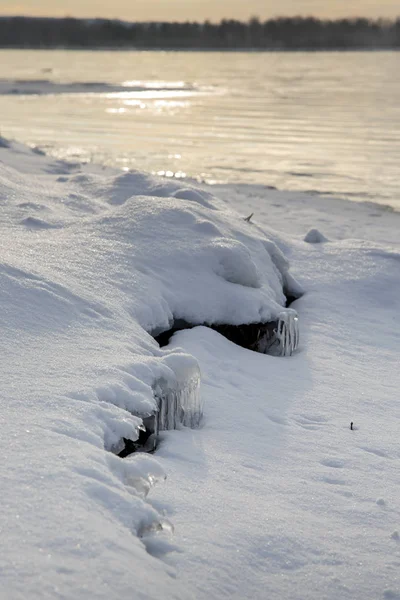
(200, 9)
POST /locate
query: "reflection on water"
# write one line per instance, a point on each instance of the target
(320, 122)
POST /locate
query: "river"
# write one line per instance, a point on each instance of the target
(321, 122)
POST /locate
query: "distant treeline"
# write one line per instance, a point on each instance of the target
(275, 34)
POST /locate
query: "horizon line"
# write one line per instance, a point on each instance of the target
(205, 20)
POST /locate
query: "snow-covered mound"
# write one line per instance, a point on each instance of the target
(93, 264)
(315, 237)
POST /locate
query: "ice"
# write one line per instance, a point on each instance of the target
(140, 472)
(181, 405)
(178, 398)
(126, 89)
(285, 338)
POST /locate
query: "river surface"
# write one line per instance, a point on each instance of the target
(326, 122)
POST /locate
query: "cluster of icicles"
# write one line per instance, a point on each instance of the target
(285, 339)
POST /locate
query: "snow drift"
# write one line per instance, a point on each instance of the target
(94, 264)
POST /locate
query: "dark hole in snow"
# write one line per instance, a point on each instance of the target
(163, 338)
(278, 338)
(259, 337)
(290, 298)
(146, 442)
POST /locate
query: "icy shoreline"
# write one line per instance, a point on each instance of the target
(272, 495)
(40, 87)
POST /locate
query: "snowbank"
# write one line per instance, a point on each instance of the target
(93, 265)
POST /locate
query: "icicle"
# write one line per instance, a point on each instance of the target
(287, 335)
(283, 339)
(181, 405)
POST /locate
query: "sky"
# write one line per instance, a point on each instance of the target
(200, 10)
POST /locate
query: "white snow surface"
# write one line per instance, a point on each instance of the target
(91, 262)
(274, 496)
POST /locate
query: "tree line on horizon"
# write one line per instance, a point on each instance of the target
(283, 33)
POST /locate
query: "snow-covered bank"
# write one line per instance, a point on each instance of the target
(274, 496)
(285, 500)
(92, 263)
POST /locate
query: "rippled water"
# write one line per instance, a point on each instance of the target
(327, 122)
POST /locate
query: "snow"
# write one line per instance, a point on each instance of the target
(285, 500)
(274, 496)
(315, 237)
